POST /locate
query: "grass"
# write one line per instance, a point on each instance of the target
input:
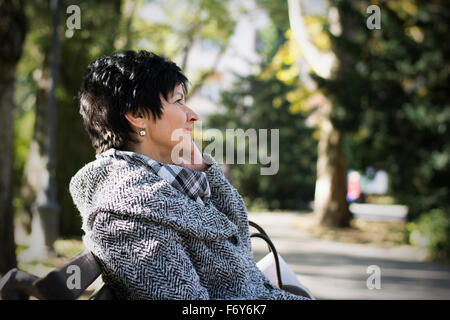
(380, 199)
(385, 234)
(65, 249)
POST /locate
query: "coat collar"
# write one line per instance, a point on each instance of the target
(191, 182)
(114, 184)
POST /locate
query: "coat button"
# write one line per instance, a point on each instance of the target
(233, 240)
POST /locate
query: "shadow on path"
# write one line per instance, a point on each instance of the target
(334, 270)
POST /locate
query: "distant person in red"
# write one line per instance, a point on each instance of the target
(353, 189)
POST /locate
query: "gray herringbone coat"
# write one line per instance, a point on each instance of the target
(154, 242)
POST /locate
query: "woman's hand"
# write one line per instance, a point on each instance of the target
(192, 157)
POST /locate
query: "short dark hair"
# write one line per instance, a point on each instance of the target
(124, 82)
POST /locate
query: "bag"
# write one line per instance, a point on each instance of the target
(290, 282)
(276, 269)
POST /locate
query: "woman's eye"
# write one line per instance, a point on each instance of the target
(179, 101)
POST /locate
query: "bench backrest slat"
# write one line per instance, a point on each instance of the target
(71, 279)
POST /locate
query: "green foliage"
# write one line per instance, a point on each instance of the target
(293, 186)
(271, 37)
(270, 100)
(29, 67)
(23, 131)
(106, 27)
(269, 40)
(432, 231)
(184, 23)
(73, 146)
(278, 12)
(390, 97)
(23, 124)
(389, 94)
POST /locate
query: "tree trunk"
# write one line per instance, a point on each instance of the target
(12, 35)
(40, 169)
(330, 202)
(7, 245)
(186, 51)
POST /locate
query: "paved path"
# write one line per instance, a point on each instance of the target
(333, 270)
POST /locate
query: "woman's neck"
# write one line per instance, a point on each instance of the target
(155, 153)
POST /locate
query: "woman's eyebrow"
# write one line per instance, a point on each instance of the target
(181, 93)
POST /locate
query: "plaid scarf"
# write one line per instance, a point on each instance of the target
(193, 183)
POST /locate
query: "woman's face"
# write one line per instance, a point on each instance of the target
(175, 124)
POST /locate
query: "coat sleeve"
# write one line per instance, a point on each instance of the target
(227, 199)
(223, 194)
(143, 260)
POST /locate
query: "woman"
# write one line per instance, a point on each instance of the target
(160, 230)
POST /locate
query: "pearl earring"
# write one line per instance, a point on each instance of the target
(142, 133)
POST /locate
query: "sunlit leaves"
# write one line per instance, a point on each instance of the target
(404, 8)
(415, 33)
(288, 75)
(184, 22)
(314, 25)
(276, 102)
(284, 63)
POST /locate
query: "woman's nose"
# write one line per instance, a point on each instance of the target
(191, 115)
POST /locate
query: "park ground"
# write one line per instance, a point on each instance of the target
(334, 264)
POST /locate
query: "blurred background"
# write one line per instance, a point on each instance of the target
(359, 92)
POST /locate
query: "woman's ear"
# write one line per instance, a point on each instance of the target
(136, 119)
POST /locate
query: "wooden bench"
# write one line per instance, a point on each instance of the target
(20, 285)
